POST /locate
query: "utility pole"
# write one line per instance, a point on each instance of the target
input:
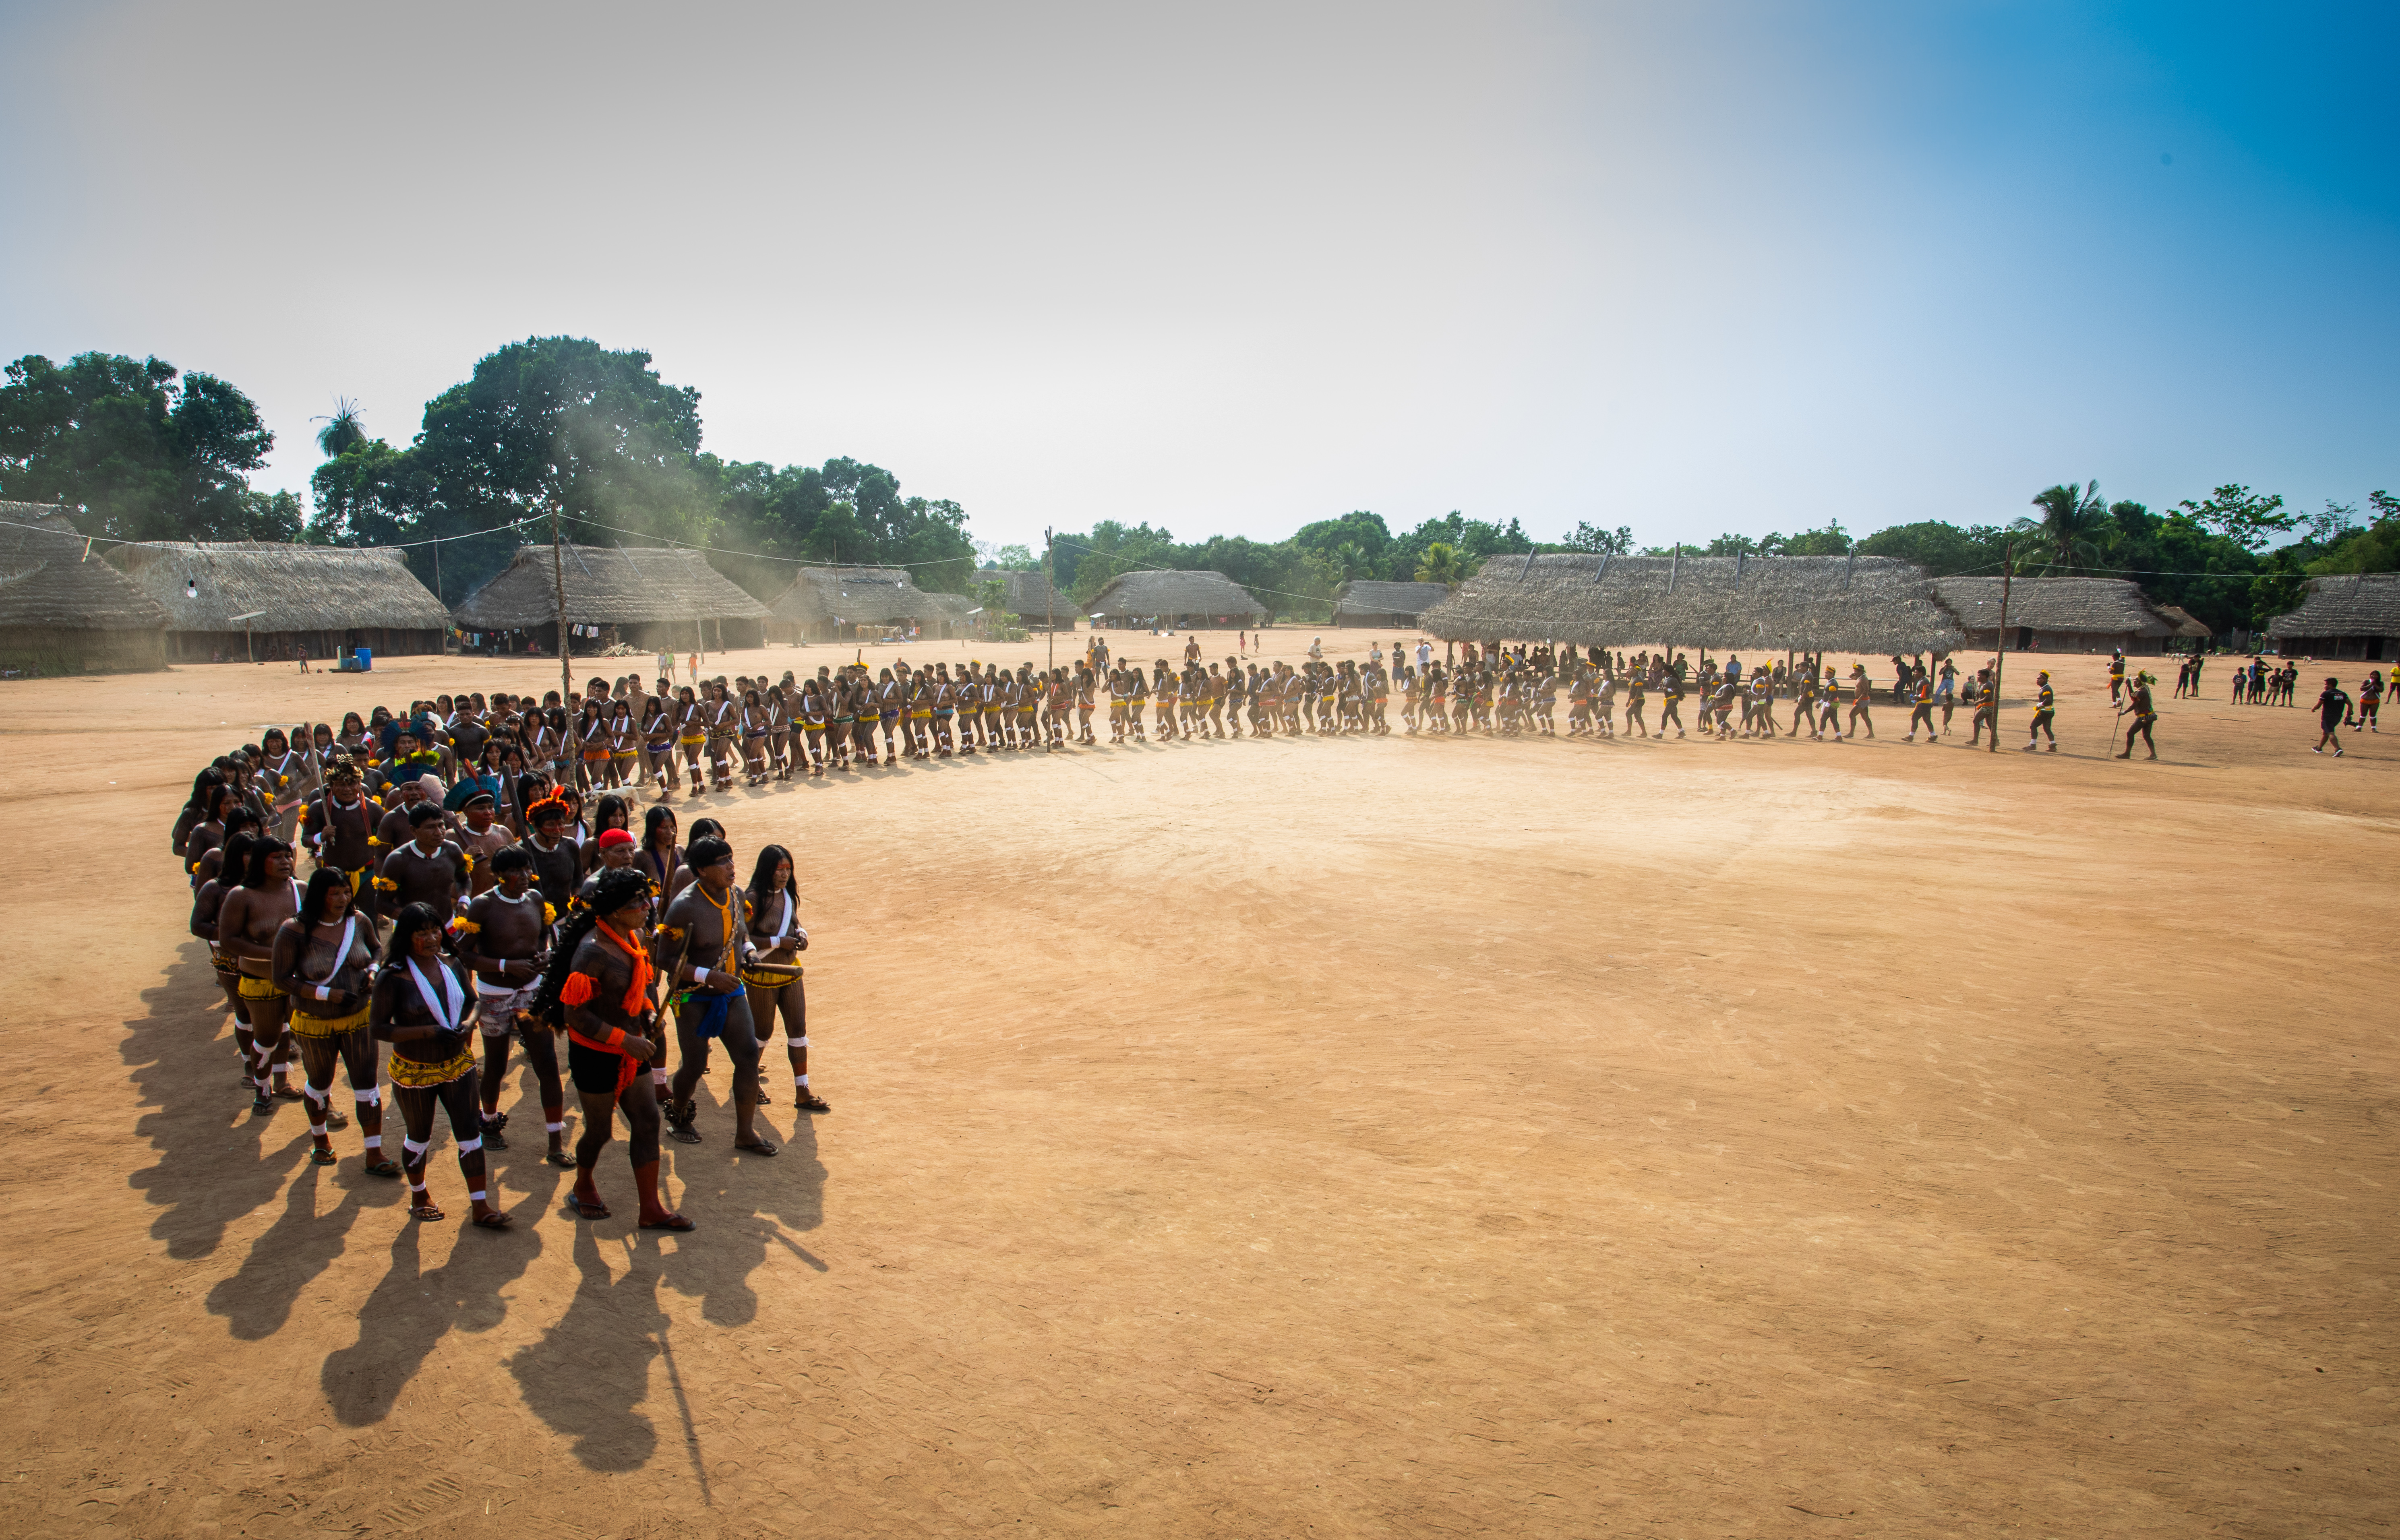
(1050, 581)
(2000, 657)
(565, 653)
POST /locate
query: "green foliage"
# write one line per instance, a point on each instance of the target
(2373, 549)
(2070, 526)
(132, 450)
(343, 430)
(2242, 516)
(1731, 545)
(563, 422)
(1941, 548)
(1012, 558)
(1601, 542)
(1442, 564)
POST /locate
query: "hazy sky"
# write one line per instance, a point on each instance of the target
(1686, 267)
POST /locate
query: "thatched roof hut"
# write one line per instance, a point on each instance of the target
(242, 598)
(1365, 602)
(62, 609)
(2187, 626)
(642, 595)
(2059, 614)
(1175, 599)
(829, 603)
(1835, 604)
(2354, 615)
(1037, 604)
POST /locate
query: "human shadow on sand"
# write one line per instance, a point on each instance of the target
(215, 1161)
(414, 1308)
(589, 1374)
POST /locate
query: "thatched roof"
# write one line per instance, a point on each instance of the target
(1866, 603)
(1373, 598)
(1030, 595)
(855, 595)
(2105, 605)
(48, 581)
(2184, 621)
(1140, 595)
(202, 585)
(606, 586)
(2354, 604)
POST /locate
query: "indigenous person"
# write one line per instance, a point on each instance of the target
(482, 839)
(2333, 710)
(425, 1011)
(247, 924)
(208, 903)
(2045, 713)
(699, 948)
(598, 987)
(427, 869)
(504, 939)
(557, 861)
(772, 976)
(325, 963)
(2139, 706)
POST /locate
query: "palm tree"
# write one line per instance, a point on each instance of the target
(342, 430)
(1442, 564)
(2070, 525)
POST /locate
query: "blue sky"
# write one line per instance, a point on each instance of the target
(1691, 268)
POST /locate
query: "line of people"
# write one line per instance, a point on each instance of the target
(462, 931)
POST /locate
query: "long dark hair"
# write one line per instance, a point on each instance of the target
(412, 919)
(233, 859)
(253, 871)
(762, 877)
(203, 789)
(651, 821)
(312, 903)
(617, 887)
(612, 811)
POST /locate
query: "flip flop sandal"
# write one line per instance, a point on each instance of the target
(814, 1103)
(580, 1210)
(683, 1133)
(381, 1168)
(260, 1106)
(758, 1146)
(318, 1155)
(427, 1212)
(676, 1222)
(285, 1093)
(336, 1122)
(493, 1220)
(563, 1159)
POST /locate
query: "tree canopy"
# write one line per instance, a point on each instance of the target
(137, 450)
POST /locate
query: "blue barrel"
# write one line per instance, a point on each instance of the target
(365, 657)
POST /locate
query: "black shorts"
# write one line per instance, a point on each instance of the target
(593, 1070)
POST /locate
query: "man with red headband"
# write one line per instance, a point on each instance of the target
(617, 852)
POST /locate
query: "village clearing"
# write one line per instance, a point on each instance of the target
(1325, 1137)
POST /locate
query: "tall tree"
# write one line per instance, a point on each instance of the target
(2246, 517)
(2071, 524)
(551, 421)
(134, 449)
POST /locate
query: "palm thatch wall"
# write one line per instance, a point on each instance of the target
(2059, 614)
(2354, 615)
(1372, 604)
(1834, 604)
(1176, 598)
(1037, 604)
(644, 595)
(829, 603)
(62, 609)
(320, 596)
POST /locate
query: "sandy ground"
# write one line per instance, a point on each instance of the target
(1295, 1137)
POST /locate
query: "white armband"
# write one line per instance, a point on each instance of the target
(323, 993)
